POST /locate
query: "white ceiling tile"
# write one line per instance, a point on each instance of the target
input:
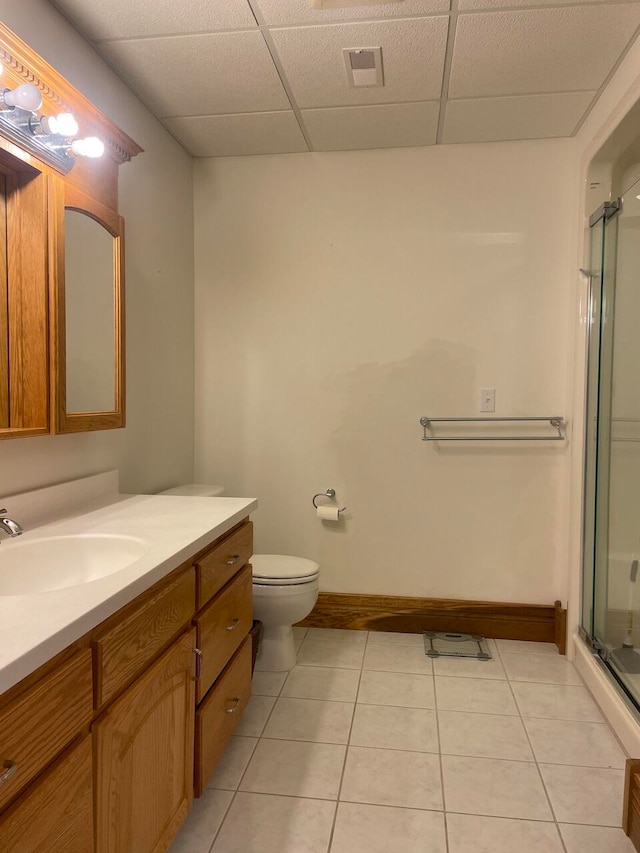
(112, 19)
(519, 117)
(380, 126)
(464, 5)
(200, 75)
(539, 50)
(285, 12)
(245, 133)
(413, 53)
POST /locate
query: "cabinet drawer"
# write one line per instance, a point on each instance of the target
(36, 726)
(56, 815)
(220, 564)
(222, 626)
(129, 643)
(219, 713)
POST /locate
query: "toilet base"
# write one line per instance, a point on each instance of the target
(277, 652)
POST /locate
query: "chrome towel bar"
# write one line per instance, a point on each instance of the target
(554, 421)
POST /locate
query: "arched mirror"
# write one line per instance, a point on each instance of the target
(90, 361)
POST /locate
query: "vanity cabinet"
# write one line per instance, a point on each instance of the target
(112, 738)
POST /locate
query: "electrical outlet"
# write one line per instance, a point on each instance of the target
(488, 400)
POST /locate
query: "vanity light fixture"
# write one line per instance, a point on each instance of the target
(50, 138)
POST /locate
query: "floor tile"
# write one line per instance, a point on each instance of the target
(255, 716)
(295, 768)
(469, 668)
(564, 742)
(233, 763)
(595, 839)
(341, 635)
(331, 653)
(392, 778)
(400, 689)
(202, 823)
(540, 668)
(555, 701)
(265, 824)
(480, 695)
(380, 829)
(475, 834)
(310, 719)
(483, 736)
(590, 796)
(391, 638)
(413, 729)
(523, 647)
(267, 683)
(317, 682)
(299, 633)
(487, 786)
(384, 658)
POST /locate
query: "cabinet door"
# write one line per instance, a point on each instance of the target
(144, 757)
(56, 814)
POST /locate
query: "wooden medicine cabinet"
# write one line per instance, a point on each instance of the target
(61, 259)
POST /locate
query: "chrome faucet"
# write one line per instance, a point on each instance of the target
(8, 525)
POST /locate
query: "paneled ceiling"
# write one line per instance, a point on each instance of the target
(231, 77)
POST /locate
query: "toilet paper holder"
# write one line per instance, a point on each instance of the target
(330, 493)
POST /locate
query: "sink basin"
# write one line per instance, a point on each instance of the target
(60, 562)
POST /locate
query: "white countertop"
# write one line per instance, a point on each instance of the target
(35, 627)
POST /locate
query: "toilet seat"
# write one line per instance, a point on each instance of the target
(282, 570)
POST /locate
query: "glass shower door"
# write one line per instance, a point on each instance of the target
(612, 487)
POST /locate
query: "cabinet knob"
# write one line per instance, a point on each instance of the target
(233, 625)
(233, 560)
(234, 707)
(198, 654)
(10, 768)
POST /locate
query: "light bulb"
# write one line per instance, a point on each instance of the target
(65, 125)
(26, 96)
(89, 147)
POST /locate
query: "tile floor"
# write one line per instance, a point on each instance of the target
(366, 746)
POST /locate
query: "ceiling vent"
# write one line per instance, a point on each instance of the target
(346, 4)
(364, 66)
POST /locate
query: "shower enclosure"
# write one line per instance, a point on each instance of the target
(611, 531)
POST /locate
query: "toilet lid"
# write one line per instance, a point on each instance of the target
(274, 569)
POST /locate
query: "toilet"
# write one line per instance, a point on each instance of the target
(285, 590)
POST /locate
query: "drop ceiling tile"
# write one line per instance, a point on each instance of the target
(413, 53)
(112, 19)
(244, 133)
(539, 50)
(464, 5)
(285, 12)
(200, 75)
(379, 126)
(519, 117)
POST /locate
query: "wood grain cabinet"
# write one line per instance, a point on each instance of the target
(101, 749)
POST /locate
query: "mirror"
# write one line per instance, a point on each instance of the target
(89, 314)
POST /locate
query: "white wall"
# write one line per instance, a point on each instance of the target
(341, 296)
(156, 448)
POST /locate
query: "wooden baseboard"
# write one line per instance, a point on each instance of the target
(631, 809)
(503, 621)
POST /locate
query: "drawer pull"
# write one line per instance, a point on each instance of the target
(10, 768)
(233, 560)
(198, 654)
(233, 625)
(234, 707)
